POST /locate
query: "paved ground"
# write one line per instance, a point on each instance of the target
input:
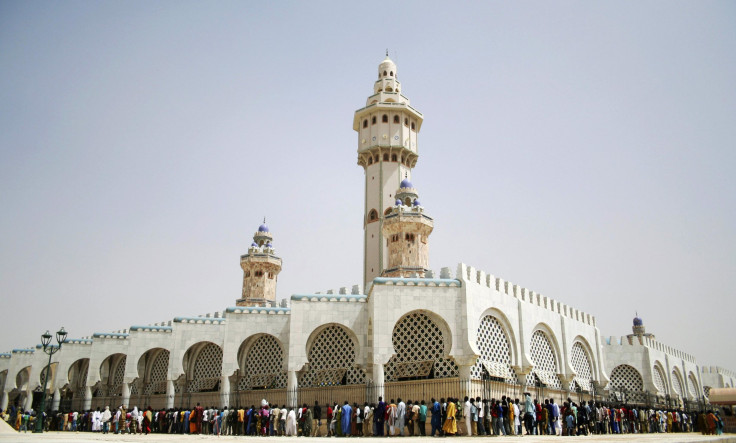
(65, 437)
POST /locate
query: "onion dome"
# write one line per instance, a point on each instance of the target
(638, 321)
(416, 203)
(263, 228)
(406, 184)
(269, 245)
(398, 202)
(254, 245)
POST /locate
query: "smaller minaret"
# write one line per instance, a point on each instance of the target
(638, 329)
(260, 271)
(406, 230)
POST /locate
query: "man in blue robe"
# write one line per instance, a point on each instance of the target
(347, 412)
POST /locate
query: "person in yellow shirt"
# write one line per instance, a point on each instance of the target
(450, 426)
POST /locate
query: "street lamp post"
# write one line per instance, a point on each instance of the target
(50, 350)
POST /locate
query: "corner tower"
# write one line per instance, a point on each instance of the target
(387, 150)
(406, 229)
(260, 271)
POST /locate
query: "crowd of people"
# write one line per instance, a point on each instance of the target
(447, 417)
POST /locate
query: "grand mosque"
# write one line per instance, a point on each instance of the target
(407, 328)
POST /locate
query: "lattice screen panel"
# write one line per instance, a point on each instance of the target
(625, 377)
(706, 391)
(581, 364)
(692, 384)
(116, 382)
(159, 371)
(207, 369)
(417, 338)
(43, 375)
(332, 354)
(543, 359)
(263, 365)
(80, 383)
(677, 383)
(3, 377)
(495, 351)
(658, 379)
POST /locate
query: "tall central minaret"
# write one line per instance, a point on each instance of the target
(387, 150)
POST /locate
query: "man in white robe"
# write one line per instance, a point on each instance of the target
(291, 423)
(400, 417)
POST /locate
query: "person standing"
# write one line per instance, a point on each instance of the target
(368, 428)
(423, 419)
(317, 415)
(450, 426)
(346, 418)
(467, 417)
(400, 417)
(436, 420)
(379, 415)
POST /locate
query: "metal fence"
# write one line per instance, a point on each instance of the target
(414, 390)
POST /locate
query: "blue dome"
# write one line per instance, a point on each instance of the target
(398, 202)
(416, 203)
(638, 321)
(254, 244)
(268, 245)
(406, 184)
(263, 228)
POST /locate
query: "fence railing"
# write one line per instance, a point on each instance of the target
(415, 390)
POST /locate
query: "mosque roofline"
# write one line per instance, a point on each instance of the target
(257, 310)
(109, 335)
(23, 351)
(330, 297)
(150, 328)
(203, 320)
(417, 281)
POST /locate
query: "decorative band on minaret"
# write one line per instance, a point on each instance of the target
(387, 150)
(261, 268)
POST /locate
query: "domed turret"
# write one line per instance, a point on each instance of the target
(406, 184)
(638, 321)
(260, 270)
(638, 329)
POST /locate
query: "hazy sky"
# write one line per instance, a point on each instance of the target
(583, 150)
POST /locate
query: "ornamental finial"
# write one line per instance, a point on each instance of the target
(386, 52)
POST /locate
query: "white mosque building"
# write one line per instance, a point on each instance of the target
(406, 331)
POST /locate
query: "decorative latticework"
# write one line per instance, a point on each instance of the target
(43, 376)
(207, 369)
(420, 346)
(116, 378)
(658, 379)
(79, 383)
(581, 364)
(263, 365)
(626, 378)
(332, 360)
(495, 351)
(677, 383)
(544, 361)
(692, 385)
(157, 376)
(706, 391)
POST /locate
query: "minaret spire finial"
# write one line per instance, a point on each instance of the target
(264, 219)
(386, 52)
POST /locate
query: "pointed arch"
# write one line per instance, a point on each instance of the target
(422, 343)
(203, 367)
(494, 340)
(262, 363)
(332, 350)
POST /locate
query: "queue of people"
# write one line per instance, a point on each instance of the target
(447, 417)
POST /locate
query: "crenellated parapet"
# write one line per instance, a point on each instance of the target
(471, 275)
